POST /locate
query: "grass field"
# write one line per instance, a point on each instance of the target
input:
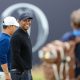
(37, 73)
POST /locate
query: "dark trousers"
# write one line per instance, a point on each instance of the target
(77, 70)
(17, 75)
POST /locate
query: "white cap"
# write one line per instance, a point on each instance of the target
(10, 21)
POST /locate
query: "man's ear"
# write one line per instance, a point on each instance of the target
(9, 27)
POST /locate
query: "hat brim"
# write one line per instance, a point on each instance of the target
(26, 18)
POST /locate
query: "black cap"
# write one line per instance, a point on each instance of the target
(27, 15)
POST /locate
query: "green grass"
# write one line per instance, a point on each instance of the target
(37, 73)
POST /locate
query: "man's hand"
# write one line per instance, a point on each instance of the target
(6, 71)
(7, 76)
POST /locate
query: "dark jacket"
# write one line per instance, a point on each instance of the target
(21, 49)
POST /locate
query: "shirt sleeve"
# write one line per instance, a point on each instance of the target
(16, 48)
(67, 37)
(4, 47)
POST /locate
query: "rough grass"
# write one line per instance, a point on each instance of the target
(37, 73)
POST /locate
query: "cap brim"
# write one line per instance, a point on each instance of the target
(27, 18)
(17, 24)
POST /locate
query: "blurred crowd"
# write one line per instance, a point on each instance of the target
(61, 58)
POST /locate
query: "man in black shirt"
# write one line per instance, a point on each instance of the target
(22, 49)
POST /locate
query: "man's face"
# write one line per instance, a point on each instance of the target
(25, 24)
(12, 29)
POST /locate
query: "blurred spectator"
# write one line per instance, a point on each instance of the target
(70, 43)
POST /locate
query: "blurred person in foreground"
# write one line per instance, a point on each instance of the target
(9, 27)
(22, 49)
(70, 42)
(74, 37)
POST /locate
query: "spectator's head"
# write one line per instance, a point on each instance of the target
(10, 24)
(75, 19)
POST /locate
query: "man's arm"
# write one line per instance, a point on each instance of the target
(6, 71)
(3, 58)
